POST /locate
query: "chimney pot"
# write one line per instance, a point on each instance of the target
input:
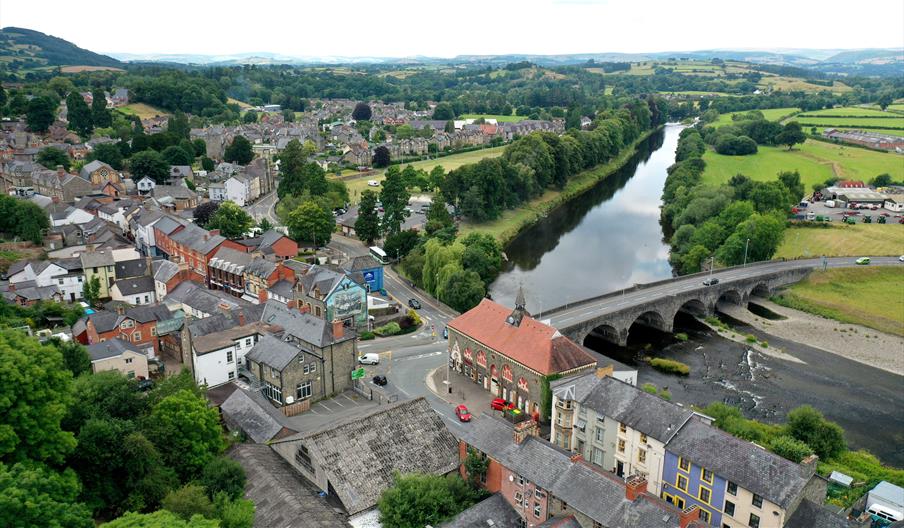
(338, 329)
(808, 466)
(635, 487)
(525, 429)
(241, 318)
(688, 515)
(602, 372)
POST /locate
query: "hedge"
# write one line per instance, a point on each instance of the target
(670, 366)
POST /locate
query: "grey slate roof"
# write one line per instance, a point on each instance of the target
(110, 348)
(243, 412)
(164, 270)
(260, 267)
(220, 322)
(200, 298)
(167, 225)
(494, 508)
(230, 260)
(86, 171)
(635, 408)
(360, 455)
(197, 239)
(361, 263)
(283, 288)
(283, 499)
(93, 259)
(305, 327)
(749, 466)
(104, 321)
(269, 238)
(273, 352)
(134, 285)
(810, 515)
(131, 268)
(177, 192)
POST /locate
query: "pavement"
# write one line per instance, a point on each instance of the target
(264, 207)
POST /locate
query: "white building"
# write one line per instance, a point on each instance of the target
(894, 202)
(65, 274)
(216, 357)
(134, 290)
(216, 191)
(146, 185)
(238, 190)
(69, 216)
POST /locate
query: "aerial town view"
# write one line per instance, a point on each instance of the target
(533, 264)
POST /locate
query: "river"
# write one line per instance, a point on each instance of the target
(610, 238)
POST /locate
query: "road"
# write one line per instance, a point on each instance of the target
(571, 315)
(264, 207)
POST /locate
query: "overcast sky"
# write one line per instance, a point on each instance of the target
(399, 28)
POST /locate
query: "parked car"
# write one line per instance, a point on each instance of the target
(711, 282)
(901, 258)
(446, 329)
(862, 261)
(145, 384)
(380, 380)
(499, 404)
(463, 413)
(414, 303)
(369, 359)
(373, 183)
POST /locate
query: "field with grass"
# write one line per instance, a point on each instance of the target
(815, 160)
(868, 296)
(896, 122)
(358, 183)
(497, 117)
(884, 131)
(242, 104)
(143, 111)
(794, 84)
(843, 240)
(771, 114)
(79, 69)
(849, 111)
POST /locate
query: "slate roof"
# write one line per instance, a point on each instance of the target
(230, 260)
(810, 515)
(134, 285)
(220, 321)
(94, 259)
(320, 278)
(167, 225)
(273, 352)
(131, 268)
(533, 344)
(146, 313)
(104, 321)
(361, 263)
(360, 455)
(303, 326)
(260, 267)
(164, 270)
(198, 239)
(282, 498)
(749, 466)
(649, 414)
(176, 192)
(110, 348)
(283, 288)
(198, 297)
(269, 238)
(219, 340)
(88, 168)
(33, 293)
(494, 508)
(242, 411)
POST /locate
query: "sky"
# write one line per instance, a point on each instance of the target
(403, 28)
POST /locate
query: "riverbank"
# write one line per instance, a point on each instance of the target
(514, 221)
(855, 342)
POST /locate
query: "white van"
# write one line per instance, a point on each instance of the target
(369, 359)
(885, 513)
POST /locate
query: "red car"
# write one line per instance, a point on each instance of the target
(499, 404)
(463, 413)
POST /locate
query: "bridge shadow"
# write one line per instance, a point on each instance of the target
(644, 337)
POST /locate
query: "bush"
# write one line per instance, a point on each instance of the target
(665, 395)
(764, 344)
(750, 338)
(809, 426)
(189, 500)
(790, 448)
(681, 336)
(366, 335)
(223, 475)
(670, 366)
(649, 388)
(389, 329)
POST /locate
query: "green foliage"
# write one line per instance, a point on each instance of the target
(791, 135)
(223, 475)
(443, 112)
(367, 225)
(362, 112)
(400, 244)
(149, 163)
(681, 336)
(40, 113)
(476, 466)
(311, 222)
(186, 431)
(99, 113)
(236, 513)
(78, 113)
(649, 388)
(75, 356)
(109, 153)
(790, 448)
(105, 395)
(809, 426)
(670, 366)
(176, 155)
(22, 219)
(546, 396)
(91, 291)
(33, 400)
(239, 151)
(366, 335)
(207, 164)
(160, 519)
(50, 157)
(204, 212)
(232, 221)
(416, 500)
(388, 329)
(394, 196)
(188, 501)
(381, 157)
(32, 494)
(460, 289)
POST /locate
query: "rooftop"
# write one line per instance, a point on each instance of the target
(110, 348)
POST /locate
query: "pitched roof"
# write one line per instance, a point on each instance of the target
(250, 416)
(93, 259)
(164, 270)
(104, 321)
(90, 167)
(260, 267)
(225, 338)
(133, 285)
(273, 352)
(361, 263)
(230, 260)
(131, 268)
(535, 345)
(494, 508)
(269, 238)
(777, 479)
(197, 239)
(360, 455)
(283, 288)
(303, 326)
(177, 192)
(811, 515)
(110, 348)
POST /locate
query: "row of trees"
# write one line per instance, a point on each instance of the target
(747, 131)
(72, 451)
(744, 219)
(83, 119)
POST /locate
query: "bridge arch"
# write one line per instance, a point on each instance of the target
(731, 296)
(653, 319)
(608, 333)
(695, 307)
(761, 290)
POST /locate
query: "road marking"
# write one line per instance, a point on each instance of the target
(422, 356)
(337, 403)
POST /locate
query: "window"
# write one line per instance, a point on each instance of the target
(642, 456)
(706, 475)
(729, 508)
(684, 465)
(599, 434)
(757, 501)
(80, 279)
(679, 502)
(94, 270)
(153, 330)
(754, 521)
(621, 446)
(704, 515)
(59, 281)
(303, 391)
(622, 428)
(681, 483)
(643, 438)
(229, 356)
(274, 373)
(704, 495)
(137, 299)
(313, 367)
(520, 480)
(128, 323)
(539, 493)
(128, 360)
(304, 458)
(147, 299)
(536, 509)
(231, 375)
(272, 391)
(136, 337)
(518, 498)
(301, 358)
(732, 488)
(248, 342)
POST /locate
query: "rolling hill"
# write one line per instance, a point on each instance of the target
(34, 49)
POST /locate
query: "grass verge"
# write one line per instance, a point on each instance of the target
(842, 240)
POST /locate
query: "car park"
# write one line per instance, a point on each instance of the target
(862, 261)
(369, 359)
(711, 281)
(463, 414)
(380, 380)
(414, 303)
(499, 404)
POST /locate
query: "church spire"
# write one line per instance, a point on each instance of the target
(520, 309)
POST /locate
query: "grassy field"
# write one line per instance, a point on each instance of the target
(794, 84)
(242, 104)
(868, 296)
(771, 114)
(359, 183)
(815, 160)
(143, 111)
(79, 69)
(885, 132)
(852, 122)
(499, 118)
(842, 240)
(849, 111)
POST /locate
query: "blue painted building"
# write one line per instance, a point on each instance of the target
(370, 269)
(685, 484)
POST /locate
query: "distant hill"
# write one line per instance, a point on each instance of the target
(36, 49)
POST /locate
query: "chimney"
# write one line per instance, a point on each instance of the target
(602, 372)
(808, 466)
(525, 429)
(241, 318)
(60, 171)
(688, 515)
(262, 296)
(121, 309)
(338, 329)
(635, 486)
(214, 232)
(576, 458)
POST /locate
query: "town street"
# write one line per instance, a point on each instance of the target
(264, 207)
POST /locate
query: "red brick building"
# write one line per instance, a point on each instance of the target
(192, 245)
(137, 325)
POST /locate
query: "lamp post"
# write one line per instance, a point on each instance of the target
(745, 251)
(712, 264)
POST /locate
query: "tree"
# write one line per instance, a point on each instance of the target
(40, 113)
(204, 212)
(361, 112)
(771, 196)
(791, 181)
(765, 232)
(791, 135)
(105, 395)
(188, 501)
(790, 448)
(151, 164)
(75, 356)
(186, 431)
(223, 475)
(884, 100)
(381, 157)
(882, 180)
(367, 225)
(108, 153)
(462, 290)
(443, 112)
(237, 513)
(416, 500)
(33, 400)
(394, 197)
(265, 225)
(175, 155)
(810, 427)
(476, 467)
(79, 115)
(99, 113)
(401, 243)
(178, 126)
(232, 221)
(91, 291)
(160, 519)
(50, 157)
(239, 151)
(310, 222)
(199, 146)
(250, 117)
(32, 494)
(207, 164)
(438, 216)
(29, 222)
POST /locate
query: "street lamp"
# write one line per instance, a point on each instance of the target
(712, 264)
(745, 251)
